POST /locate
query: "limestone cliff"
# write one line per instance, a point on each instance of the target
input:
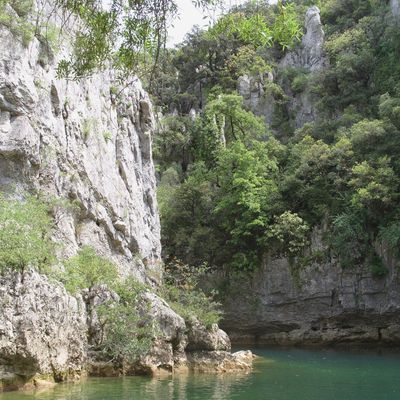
(86, 147)
(317, 302)
(80, 142)
(42, 332)
(308, 57)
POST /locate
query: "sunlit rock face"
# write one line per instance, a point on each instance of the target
(42, 332)
(86, 144)
(310, 54)
(309, 57)
(395, 6)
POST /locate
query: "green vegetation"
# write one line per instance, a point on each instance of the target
(25, 230)
(14, 16)
(125, 333)
(182, 292)
(87, 269)
(233, 189)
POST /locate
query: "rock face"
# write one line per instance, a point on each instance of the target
(179, 346)
(87, 143)
(86, 146)
(310, 54)
(309, 58)
(395, 6)
(42, 332)
(317, 304)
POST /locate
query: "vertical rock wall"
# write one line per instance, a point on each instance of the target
(87, 145)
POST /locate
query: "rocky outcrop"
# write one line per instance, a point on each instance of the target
(86, 147)
(87, 144)
(307, 58)
(187, 345)
(42, 332)
(395, 7)
(221, 361)
(310, 54)
(316, 303)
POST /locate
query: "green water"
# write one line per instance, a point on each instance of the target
(278, 375)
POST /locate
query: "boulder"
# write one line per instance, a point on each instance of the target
(42, 331)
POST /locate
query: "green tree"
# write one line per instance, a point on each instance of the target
(125, 34)
(247, 198)
(87, 269)
(25, 234)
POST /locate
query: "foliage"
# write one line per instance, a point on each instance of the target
(87, 269)
(250, 30)
(183, 294)
(290, 231)
(287, 29)
(127, 35)
(254, 193)
(349, 239)
(25, 231)
(14, 16)
(126, 333)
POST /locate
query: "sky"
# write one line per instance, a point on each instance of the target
(190, 15)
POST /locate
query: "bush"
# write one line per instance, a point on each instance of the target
(126, 334)
(25, 230)
(87, 269)
(181, 291)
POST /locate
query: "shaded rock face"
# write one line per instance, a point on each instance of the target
(87, 143)
(320, 303)
(42, 331)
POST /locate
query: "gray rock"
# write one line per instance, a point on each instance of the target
(79, 142)
(320, 303)
(220, 361)
(201, 338)
(310, 54)
(395, 7)
(42, 331)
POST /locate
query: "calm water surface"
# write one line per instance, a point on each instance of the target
(279, 375)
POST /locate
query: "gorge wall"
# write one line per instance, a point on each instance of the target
(320, 302)
(78, 142)
(85, 147)
(315, 304)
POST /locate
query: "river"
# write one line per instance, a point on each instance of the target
(279, 374)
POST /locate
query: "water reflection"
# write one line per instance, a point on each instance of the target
(281, 374)
(177, 387)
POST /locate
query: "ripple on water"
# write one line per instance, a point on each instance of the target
(278, 375)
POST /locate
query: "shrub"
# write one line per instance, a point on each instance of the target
(181, 291)
(25, 229)
(87, 269)
(126, 333)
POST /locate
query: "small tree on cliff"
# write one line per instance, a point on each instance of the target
(25, 228)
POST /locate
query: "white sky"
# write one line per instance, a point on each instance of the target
(190, 15)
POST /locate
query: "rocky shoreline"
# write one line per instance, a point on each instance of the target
(44, 340)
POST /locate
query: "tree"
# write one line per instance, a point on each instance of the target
(87, 269)
(124, 33)
(246, 200)
(25, 234)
